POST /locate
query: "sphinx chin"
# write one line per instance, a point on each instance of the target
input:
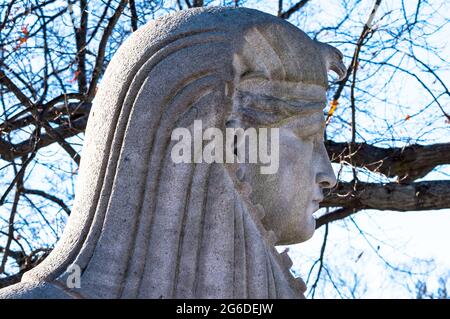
(297, 232)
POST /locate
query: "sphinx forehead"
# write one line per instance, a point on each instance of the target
(282, 53)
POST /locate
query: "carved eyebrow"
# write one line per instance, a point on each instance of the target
(256, 83)
(268, 110)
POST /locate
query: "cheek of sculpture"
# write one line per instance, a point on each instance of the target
(287, 195)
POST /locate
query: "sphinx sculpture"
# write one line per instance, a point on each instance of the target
(143, 226)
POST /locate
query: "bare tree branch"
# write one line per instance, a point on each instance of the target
(334, 215)
(6, 81)
(296, 7)
(9, 152)
(134, 17)
(53, 198)
(102, 49)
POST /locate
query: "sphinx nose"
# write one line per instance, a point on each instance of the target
(325, 175)
(326, 180)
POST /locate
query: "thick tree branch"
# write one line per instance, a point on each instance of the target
(9, 151)
(73, 110)
(134, 17)
(428, 195)
(25, 262)
(407, 163)
(10, 280)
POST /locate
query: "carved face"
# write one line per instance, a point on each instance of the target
(281, 82)
(292, 195)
